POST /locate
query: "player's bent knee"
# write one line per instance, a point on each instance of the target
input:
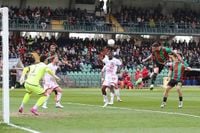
(168, 88)
(45, 94)
(58, 89)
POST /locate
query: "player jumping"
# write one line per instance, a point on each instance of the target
(160, 55)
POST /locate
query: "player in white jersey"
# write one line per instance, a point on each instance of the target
(111, 78)
(50, 84)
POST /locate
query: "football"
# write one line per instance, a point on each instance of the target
(111, 42)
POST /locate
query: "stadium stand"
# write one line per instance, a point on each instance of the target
(82, 54)
(130, 20)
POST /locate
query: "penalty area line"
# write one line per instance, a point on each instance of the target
(137, 110)
(23, 128)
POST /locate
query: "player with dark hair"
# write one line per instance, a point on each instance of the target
(112, 66)
(175, 78)
(50, 84)
(160, 56)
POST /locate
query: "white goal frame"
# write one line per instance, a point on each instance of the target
(5, 70)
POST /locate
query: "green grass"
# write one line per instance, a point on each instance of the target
(130, 116)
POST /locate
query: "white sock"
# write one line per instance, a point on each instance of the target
(117, 94)
(22, 105)
(35, 107)
(112, 95)
(105, 98)
(59, 95)
(45, 103)
(151, 74)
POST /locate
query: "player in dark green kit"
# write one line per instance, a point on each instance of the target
(159, 56)
(175, 78)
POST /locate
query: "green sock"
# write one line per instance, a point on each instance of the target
(138, 81)
(26, 98)
(41, 100)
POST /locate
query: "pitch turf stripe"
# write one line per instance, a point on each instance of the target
(23, 128)
(138, 110)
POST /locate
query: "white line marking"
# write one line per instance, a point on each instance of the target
(23, 128)
(138, 110)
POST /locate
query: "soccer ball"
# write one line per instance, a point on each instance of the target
(111, 42)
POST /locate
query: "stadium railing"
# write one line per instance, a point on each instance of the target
(92, 78)
(103, 27)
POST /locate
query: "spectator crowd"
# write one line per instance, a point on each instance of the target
(85, 51)
(43, 16)
(79, 52)
(156, 17)
(127, 16)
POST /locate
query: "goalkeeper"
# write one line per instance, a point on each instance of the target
(34, 74)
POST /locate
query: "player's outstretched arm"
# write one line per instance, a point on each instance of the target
(66, 63)
(103, 74)
(49, 71)
(189, 69)
(178, 56)
(103, 53)
(22, 78)
(148, 58)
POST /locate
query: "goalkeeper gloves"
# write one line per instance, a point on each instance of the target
(22, 80)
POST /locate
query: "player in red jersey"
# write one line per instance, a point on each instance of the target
(138, 79)
(145, 75)
(127, 82)
(121, 79)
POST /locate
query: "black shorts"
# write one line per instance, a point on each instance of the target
(55, 91)
(120, 79)
(160, 66)
(173, 83)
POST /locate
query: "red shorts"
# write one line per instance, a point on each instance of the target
(129, 84)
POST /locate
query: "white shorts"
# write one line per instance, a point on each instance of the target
(111, 80)
(50, 85)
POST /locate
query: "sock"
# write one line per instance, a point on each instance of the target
(180, 98)
(40, 101)
(138, 81)
(45, 103)
(55, 97)
(55, 91)
(153, 78)
(151, 74)
(112, 95)
(59, 95)
(25, 99)
(105, 98)
(103, 91)
(146, 78)
(164, 99)
(117, 94)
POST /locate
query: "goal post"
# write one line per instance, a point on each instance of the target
(5, 70)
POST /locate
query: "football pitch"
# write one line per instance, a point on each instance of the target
(139, 112)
